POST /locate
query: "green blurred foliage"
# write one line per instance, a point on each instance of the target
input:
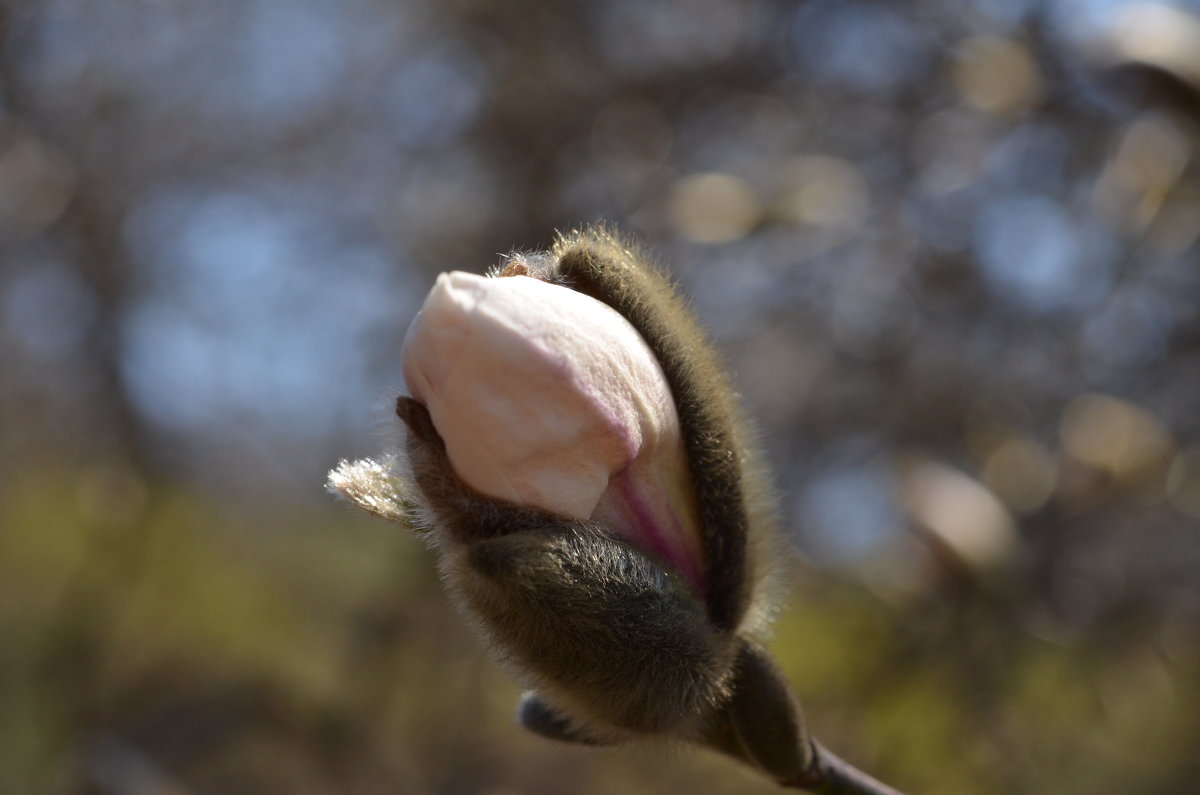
(154, 644)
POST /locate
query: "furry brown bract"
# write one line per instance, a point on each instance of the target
(738, 515)
(615, 643)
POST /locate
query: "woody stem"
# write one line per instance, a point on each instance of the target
(830, 775)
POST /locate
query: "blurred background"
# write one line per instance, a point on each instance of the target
(951, 249)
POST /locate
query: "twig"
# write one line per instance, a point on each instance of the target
(831, 775)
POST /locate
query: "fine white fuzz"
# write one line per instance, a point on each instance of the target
(373, 486)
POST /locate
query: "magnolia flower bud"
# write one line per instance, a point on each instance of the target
(548, 398)
(574, 452)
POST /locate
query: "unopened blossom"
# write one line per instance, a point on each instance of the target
(596, 503)
(546, 397)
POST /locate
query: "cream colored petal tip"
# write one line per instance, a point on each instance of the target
(372, 486)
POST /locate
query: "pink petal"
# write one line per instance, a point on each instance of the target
(547, 397)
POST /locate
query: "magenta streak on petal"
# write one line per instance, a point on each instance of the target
(648, 533)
